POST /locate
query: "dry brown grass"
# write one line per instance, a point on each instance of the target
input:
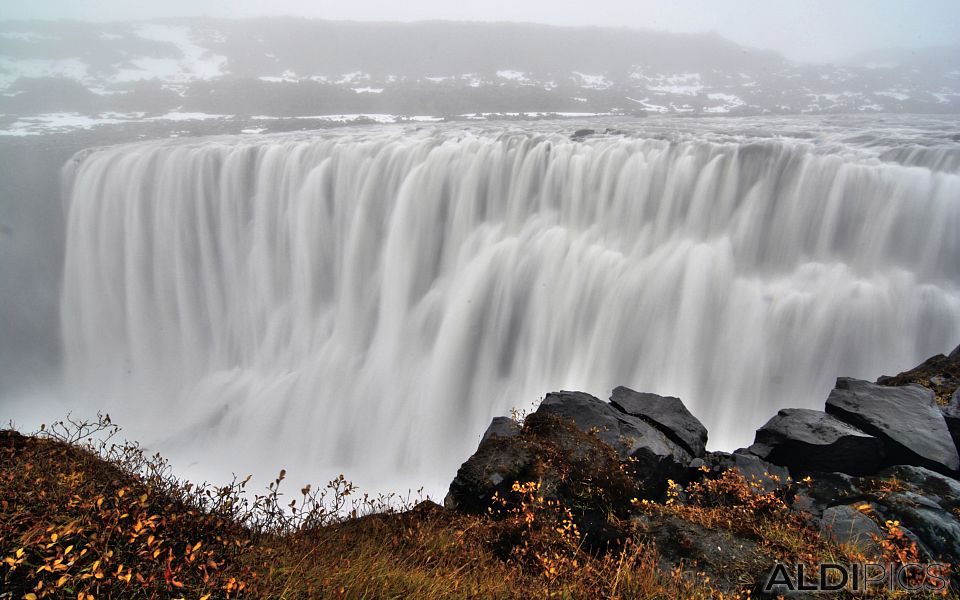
(75, 525)
(83, 518)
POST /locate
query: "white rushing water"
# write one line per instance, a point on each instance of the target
(366, 300)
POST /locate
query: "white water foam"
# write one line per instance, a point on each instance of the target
(366, 300)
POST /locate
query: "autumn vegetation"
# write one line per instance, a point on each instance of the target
(86, 517)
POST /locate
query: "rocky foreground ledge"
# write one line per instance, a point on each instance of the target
(581, 499)
(876, 472)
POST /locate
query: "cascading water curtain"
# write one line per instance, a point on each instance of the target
(371, 299)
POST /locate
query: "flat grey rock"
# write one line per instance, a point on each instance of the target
(906, 418)
(666, 413)
(806, 441)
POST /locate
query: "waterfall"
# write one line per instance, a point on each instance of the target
(369, 299)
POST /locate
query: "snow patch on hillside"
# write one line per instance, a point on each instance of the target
(193, 63)
(596, 82)
(518, 76)
(12, 69)
(728, 102)
(681, 84)
(894, 94)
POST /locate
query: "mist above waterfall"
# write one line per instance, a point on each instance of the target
(366, 300)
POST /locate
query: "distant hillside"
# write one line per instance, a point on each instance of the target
(933, 60)
(297, 67)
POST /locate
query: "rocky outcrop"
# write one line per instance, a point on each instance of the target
(583, 451)
(807, 441)
(624, 433)
(877, 454)
(570, 460)
(924, 502)
(906, 418)
(667, 414)
(651, 454)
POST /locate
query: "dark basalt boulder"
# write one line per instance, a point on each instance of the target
(826, 490)
(667, 414)
(943, 490)
(927, 505)
(941, 374)
(925, 502)
(595, 457)
(808, 441)
(937, 530)
(572, 466)
(575, 445)
(549, 439)
(592, 414)
(847, 525)
(766, 476)
(652, 455)
(906, 418)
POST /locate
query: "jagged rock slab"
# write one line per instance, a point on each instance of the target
(630, 436)
(587, 435)
(570, 465)
(807, 441)
(667, 414)
(906, 418)
(767, 476)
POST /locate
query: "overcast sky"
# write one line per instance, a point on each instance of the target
(800, 29)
